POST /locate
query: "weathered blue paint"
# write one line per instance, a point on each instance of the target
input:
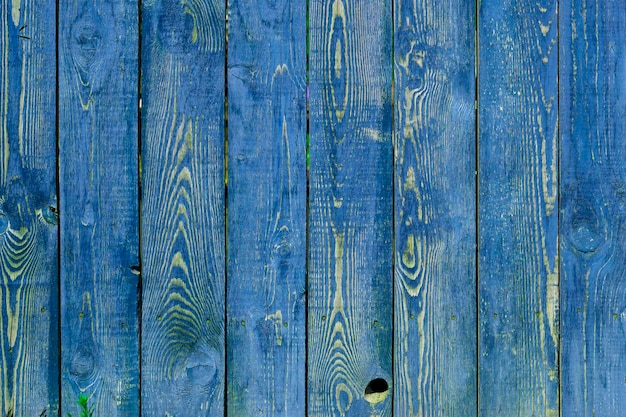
(435, 217)
(436, 319)
(98, 99)
(350, 209)
(182, 209)
(593, 186)
(518, 209)
(266, 208)
(29, 364)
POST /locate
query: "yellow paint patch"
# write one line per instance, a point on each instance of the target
(410, 184)
(552, 305)
(549, 174)
(20, 233)
(188, 140)
(280, 70)
(15, 12)
(376, 397)
(338, 301)
(277, 319)
(338, 59)
(374, 134)
(545, 28)
(408, 256)
(178, 261)
(12, 322)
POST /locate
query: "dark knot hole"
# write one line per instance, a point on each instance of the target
(376, 386)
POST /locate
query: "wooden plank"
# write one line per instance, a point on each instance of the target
(183, 239)
(518, 209)
(350, 209)
(593, 187)
(98, 101)
(266, 208)
(435, 218)
(28, 223)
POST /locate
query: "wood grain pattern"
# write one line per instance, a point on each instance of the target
(435, 219)
(350, 203)
(518, 209)
(593, 220)
(29, 363)
(266, 208)
(183, 208)
(98, 96)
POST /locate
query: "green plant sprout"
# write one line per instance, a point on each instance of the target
(83, 403)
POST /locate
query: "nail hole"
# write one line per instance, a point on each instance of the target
(376, 391)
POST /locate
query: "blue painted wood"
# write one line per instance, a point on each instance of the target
(350, 209)
(518, 209)
(435, 220)
(266, 208)
(98, 101)
(593, 183)
(183, 242)
(29, 363)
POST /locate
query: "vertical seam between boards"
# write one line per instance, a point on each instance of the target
(225, 182)
(307, 207)
(558, 211)
(58, 192)
(393, 209)
(139, 204)
(477, 192)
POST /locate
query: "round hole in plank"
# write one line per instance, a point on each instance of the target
(376, 391)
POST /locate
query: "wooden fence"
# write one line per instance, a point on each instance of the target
(321, 208)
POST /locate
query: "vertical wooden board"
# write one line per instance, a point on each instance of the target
(182, 210)
(266, 208)
(518, 209)
(593, 193)
(28, 232)
(98, 101)
(435, 218)
(350, 209)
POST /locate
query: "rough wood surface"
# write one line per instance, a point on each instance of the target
(593, 193)
(435, 225)
(183, 208)
(99, 206)
(518, 209)
(29, 363)
(98, 99)
(266, 208)
(350, 204)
